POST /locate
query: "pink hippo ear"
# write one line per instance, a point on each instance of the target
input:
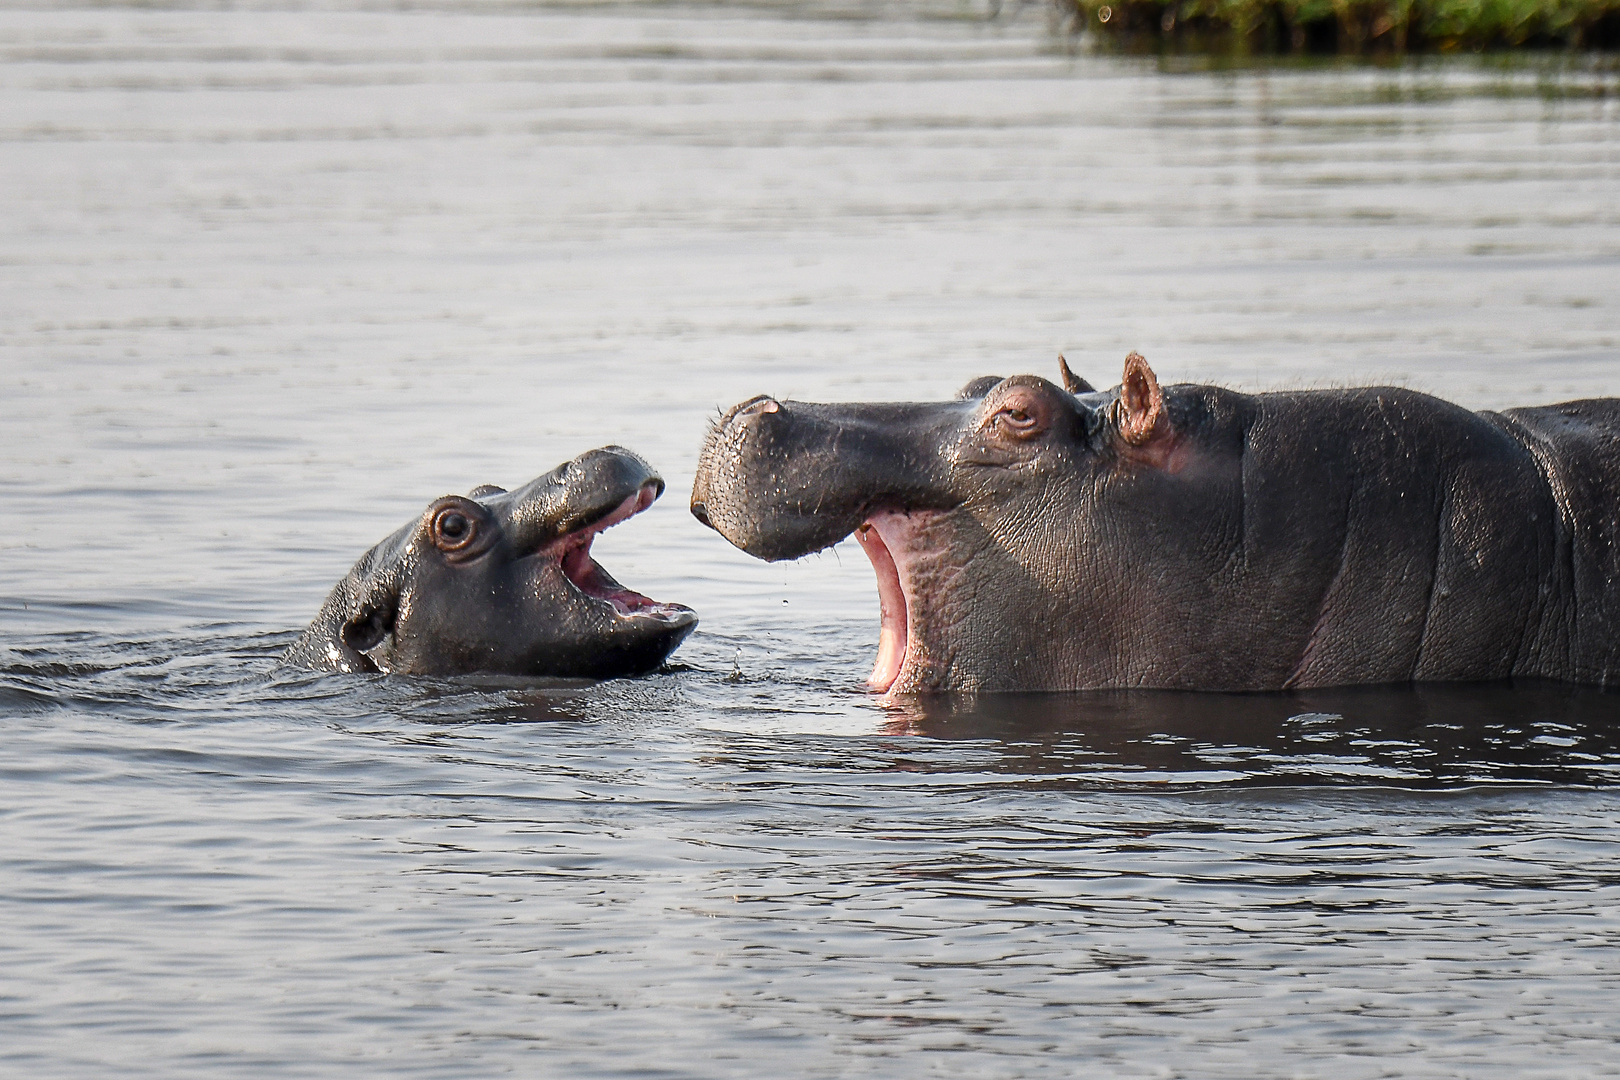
(1141, 403)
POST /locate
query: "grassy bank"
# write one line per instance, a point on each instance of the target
(1350, 26)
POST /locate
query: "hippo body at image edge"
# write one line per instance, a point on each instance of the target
(502, 582)
(1032, 537)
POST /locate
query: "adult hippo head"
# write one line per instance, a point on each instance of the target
(1028, 536)
(503, 581)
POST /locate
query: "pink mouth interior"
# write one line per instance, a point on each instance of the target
(574, 552)
(893, 626)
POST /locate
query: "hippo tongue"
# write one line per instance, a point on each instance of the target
(893, 621)
(589, 578)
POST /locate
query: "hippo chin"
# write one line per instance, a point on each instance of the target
(1034, 537)
(503, 581)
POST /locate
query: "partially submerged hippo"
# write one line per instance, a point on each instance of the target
(1032, 537)
(503, 581)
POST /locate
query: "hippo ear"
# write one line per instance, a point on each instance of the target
(1141, 403)
(1073, 383)
(978, 387)
(365, 629)
(372, 616)
(485, 489)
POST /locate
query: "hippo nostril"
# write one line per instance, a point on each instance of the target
(701, 512)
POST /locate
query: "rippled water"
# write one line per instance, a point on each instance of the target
(272, 279)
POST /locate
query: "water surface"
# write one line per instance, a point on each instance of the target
(270, 280)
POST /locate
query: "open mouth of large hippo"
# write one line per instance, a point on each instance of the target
(782, 480)
(573, 554)
(881, 536)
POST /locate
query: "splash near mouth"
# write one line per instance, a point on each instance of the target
(584, 573)
(894, 614)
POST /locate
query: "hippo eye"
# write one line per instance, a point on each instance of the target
(1017, 419)
(452, 529)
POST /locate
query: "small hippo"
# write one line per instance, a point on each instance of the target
(503, 581)
(1029, 536)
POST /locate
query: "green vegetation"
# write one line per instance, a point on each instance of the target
(1349, 26)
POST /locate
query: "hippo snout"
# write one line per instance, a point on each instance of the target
(717, 475)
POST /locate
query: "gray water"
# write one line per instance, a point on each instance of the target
(271, 279)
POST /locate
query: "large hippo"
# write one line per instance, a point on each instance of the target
(1028, 536)
(503, 581)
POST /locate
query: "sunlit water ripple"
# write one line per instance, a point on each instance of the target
(271, 280)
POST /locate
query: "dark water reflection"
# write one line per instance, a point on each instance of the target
(1423, 736)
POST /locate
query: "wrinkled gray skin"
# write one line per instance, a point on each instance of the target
(1194, 537)
(502, 581)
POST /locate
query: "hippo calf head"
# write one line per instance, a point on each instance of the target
(503, 581)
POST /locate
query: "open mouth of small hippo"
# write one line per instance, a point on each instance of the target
(573, 552)
(881, 536)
